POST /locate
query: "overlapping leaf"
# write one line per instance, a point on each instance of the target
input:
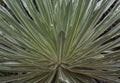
(59, 41)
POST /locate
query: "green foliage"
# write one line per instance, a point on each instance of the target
(59, 41)
(1, 2)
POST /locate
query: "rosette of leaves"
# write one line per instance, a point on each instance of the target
(59, 41)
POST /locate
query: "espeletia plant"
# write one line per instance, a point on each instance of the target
(60, 41)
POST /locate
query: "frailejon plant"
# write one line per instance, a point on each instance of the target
(59, 41)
